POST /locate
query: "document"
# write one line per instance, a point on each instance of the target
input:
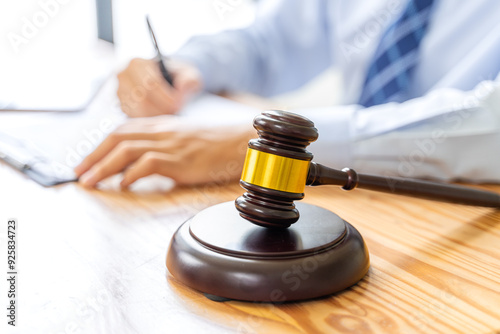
(47, 146)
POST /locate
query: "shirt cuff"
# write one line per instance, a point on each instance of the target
(194, 55)
(335, 143)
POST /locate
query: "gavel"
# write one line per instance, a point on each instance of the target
(219, 253)
(278, 167)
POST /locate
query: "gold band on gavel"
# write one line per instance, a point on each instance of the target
(275, 172)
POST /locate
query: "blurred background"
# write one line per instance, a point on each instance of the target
(50, 48)
(49, 45)
(58, 66)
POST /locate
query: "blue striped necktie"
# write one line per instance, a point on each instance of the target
(390, 72)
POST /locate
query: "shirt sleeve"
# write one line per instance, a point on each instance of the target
(287, 45)
(449, 135)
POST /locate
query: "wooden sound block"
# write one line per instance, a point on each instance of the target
(222, 254)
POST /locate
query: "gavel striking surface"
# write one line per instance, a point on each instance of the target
(222, 254)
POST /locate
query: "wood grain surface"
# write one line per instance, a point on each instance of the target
(93, 261)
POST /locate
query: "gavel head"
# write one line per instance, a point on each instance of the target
(275, 170)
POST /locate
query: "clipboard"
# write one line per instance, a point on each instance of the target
(41, 169)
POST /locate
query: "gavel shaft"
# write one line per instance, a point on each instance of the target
(349, 179)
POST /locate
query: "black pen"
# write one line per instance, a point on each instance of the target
(163, 68)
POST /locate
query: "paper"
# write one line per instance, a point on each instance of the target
(51, 144)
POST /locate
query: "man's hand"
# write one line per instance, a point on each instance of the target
(167, 145)
(143, 91)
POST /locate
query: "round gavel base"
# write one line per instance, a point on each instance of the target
(222, 254)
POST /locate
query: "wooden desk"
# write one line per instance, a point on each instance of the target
(94, 262)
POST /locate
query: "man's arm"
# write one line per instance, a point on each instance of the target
(447, 134)
(285, 47)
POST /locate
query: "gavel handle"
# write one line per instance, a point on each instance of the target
(349, 179)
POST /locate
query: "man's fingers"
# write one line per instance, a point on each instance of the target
(187, 82)
(108, 145)
(127, 103)
(164, 96)
(148, 164)
(135, 101)
(149, 83)
(119, 158)
(143, 91)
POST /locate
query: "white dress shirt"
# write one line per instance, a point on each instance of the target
(450, 127)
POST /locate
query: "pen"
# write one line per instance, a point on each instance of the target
(163, 68)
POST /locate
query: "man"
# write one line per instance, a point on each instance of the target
(421, 91)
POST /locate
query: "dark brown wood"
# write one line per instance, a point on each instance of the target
(220, 253)
(349, 179)
(268, 207)
(285, 134)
